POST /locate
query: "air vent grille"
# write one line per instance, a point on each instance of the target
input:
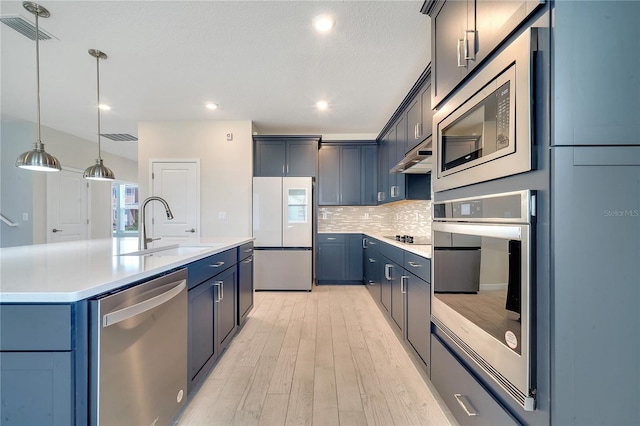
(24, 27)
(119, 137)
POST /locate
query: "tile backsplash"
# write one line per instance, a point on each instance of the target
(405, 217)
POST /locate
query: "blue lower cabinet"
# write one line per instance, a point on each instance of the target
(36, 388)
(203, 350)
(418, 329)
(371, 265)
(469, 401)
(245, 289)
(339, 259)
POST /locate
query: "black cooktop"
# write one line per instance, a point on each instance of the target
(411, 239)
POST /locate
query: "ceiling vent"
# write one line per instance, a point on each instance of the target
(24, 27)
(119, 137)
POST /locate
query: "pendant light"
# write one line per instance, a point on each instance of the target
(38, 159)
(98, 171)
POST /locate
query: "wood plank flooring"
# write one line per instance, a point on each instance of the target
(327, 357)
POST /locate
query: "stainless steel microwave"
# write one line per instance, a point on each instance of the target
(484, 131)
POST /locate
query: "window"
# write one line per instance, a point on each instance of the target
(125, 209)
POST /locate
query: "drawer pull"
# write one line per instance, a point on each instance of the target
(249, 260)
(331, 238)
(217, 265)
(415, 265)
(247, 250)
(465, 404)
(372, 260)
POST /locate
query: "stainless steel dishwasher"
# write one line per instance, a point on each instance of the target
(139, 375)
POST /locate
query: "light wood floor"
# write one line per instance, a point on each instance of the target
(327, 357)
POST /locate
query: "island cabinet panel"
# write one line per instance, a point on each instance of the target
(212, 311)
(36, 388)
(245, 281)
(35, 327)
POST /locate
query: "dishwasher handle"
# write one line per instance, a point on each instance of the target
(137, 309)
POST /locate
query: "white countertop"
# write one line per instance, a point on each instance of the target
(77, 270)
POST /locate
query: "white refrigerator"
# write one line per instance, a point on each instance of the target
(283, 232)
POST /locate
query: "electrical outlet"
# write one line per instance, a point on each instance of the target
(222, 215)
(25, 216)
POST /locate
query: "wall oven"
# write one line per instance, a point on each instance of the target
(484, 131)
(483, 253)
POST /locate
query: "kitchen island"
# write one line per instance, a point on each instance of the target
(46, 347)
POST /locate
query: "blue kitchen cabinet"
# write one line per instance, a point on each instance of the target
(245, 281)
(418, 327)
(465, 33)
(371, 266)
(212, 311)
(42, 364)
(339, 259)
(347, 174)
(285, 156)
(420, 117)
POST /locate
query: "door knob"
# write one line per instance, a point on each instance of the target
(54, 230)
(192, 230)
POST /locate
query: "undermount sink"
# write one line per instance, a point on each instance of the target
(170, 250)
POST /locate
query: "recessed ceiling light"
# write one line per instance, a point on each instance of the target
(211, 105)
(323, 23)
(104, 107)
(322, 105)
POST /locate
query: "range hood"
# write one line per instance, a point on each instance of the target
(418, 160)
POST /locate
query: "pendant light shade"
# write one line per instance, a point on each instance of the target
(38, 159)
(98, 171)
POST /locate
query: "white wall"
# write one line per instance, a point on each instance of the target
(30, 189)
(226, 168)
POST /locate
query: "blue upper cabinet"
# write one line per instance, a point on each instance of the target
(347, 174)
(465, 33)
(419, 117)
(285, 155)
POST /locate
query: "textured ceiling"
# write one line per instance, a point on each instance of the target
(259, 60)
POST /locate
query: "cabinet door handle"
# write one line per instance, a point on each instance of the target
(415, 265)
(466, 44)
(371, 260)
(217, 286)
(217, 265)
(249, 260)
(387, 271)
(54, 230)
(364, 243)
(287, 169)
(419, 130)
(331, 238)
(373, 243)
(403, 285)
(465, 404)
(192, 230)
(459, 55)
(283, 169)
(221, 290)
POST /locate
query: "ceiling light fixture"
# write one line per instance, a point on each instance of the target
(322, 105)
(323, 23)
(98, 171)
(38, 159)
(211, 105)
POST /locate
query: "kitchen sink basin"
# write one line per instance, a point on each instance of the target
(170, 250)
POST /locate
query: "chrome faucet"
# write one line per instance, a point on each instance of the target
(142, 232)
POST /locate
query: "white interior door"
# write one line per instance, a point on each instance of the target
(178, 183)
(67, 206)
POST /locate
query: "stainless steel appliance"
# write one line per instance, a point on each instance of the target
(482, 284)
(484, 131)
(283, 232)
(140, 373)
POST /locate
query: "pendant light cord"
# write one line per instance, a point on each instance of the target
(38, 75)
(98, 95)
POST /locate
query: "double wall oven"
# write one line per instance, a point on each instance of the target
(482, 284)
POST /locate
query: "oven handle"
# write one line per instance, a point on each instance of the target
(513, 232)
